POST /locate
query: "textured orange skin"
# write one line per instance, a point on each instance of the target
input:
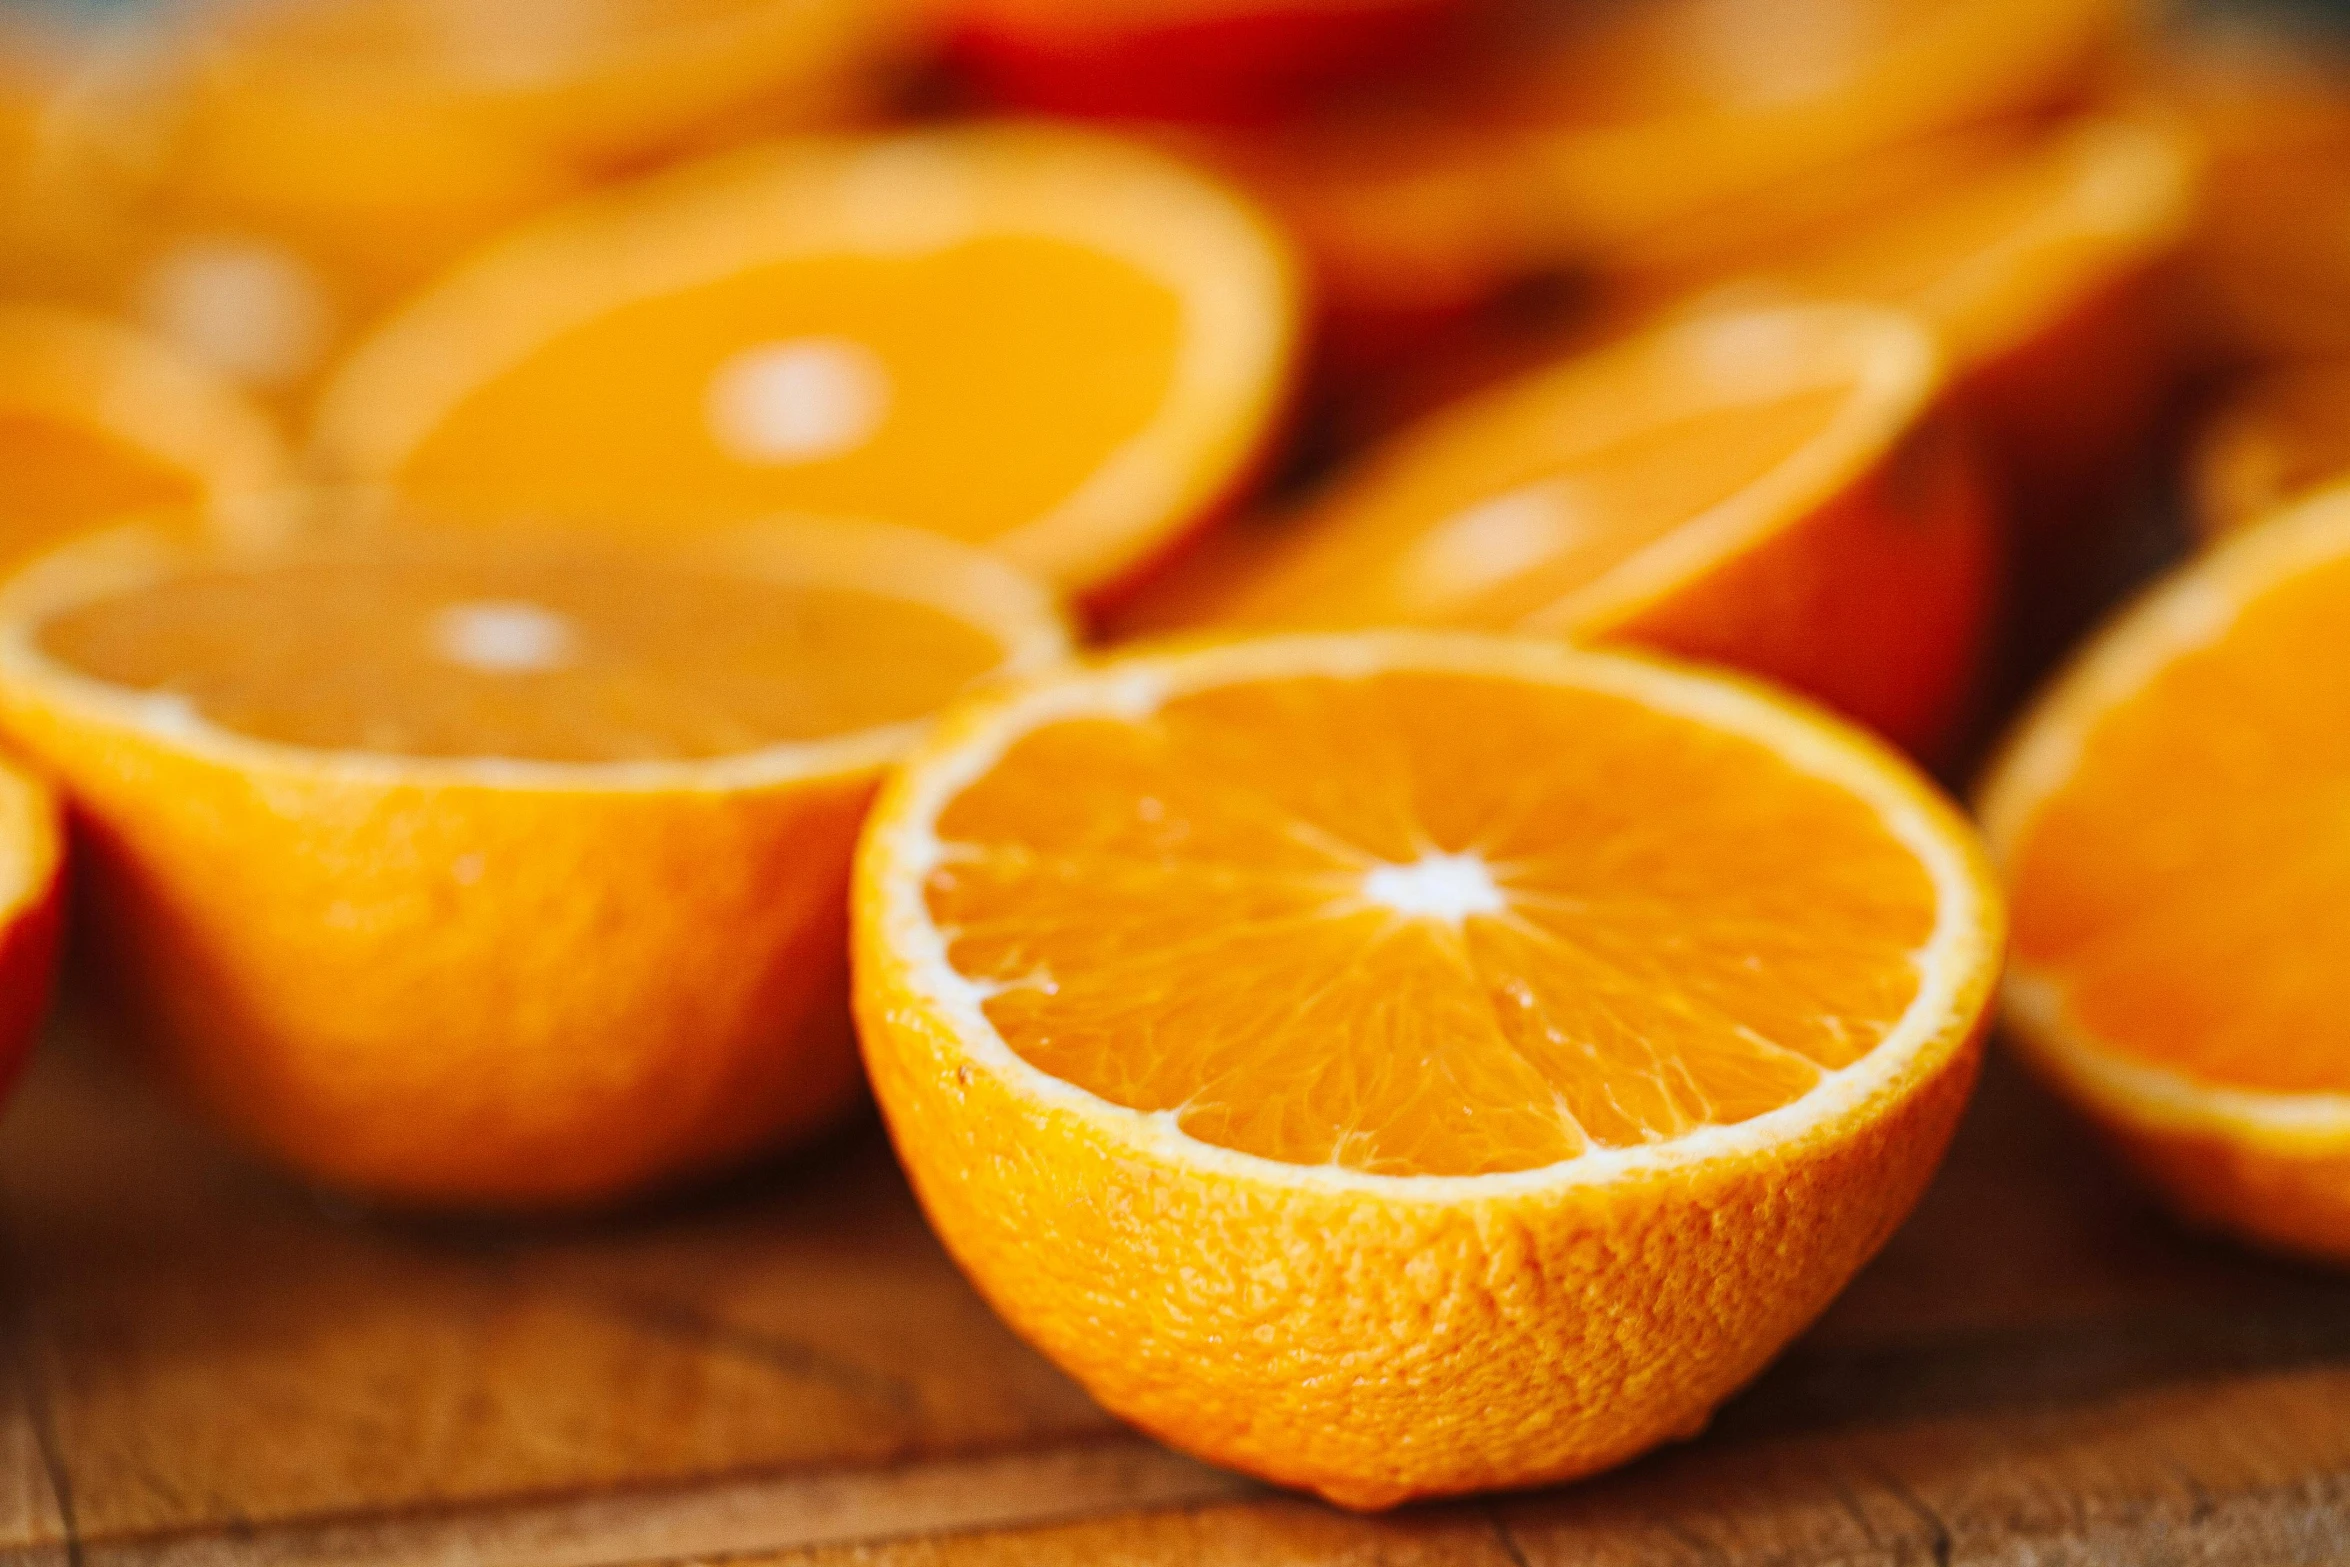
(1879, 603)
(1379, 1350)
(631, 988)
(1215, 63)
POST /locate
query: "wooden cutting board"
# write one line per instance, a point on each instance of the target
(209, 1366)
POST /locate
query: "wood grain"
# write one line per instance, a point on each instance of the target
(211, 1367)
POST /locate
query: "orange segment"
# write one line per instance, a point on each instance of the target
(97, 422)
(2275, 440)
(1231, 1005)
(1764, 488)
(502, 872)
(2170, 821)
(910, 329)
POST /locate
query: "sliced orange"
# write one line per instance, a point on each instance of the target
(1764, 488)
(508, 872)
(2274, 440)
(97, 421)
(1626, 120)
(2041, 267)
(1057, 344)
(1405, 1063)
(2169, 817)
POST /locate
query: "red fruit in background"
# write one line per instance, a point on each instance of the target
(32, 860)
(1188, 59)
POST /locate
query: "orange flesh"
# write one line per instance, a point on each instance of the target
(61, 479)
(2174, 885)
(1174, 914)
(651, 663)
(1486, 522)
(999, 402)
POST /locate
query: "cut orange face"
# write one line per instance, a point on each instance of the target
(1765, 489)
(505, 872)
(1061, 346)
(1403, 1063)
(2169, 818)
(97, 422)
(2273, 441)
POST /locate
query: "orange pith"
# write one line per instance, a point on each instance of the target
(613, 655)
(2274, 441)
(1402, 1063)
(96, 422)
(1646, 978)
(506, 873)
(914, 329)
(1760, 488)
(2169, 820)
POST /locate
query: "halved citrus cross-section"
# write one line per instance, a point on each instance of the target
(1058, 345)
(2275, 440)
(2171, 818)
(493, 871)
(1767, 489)
(2040, 266)
(97, 422)
(1399, 1063)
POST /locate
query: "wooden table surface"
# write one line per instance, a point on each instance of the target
(209, 1366)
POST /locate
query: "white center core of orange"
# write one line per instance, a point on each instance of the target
(254, 312)
(1496, 540)
(798, 401)
(504, 637)
(1448, 887)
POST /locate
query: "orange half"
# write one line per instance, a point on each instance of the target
(1059, 345)
(97, 422)
(2170, 820)
(1763, 488)
(1404, 1063)
(499, 871)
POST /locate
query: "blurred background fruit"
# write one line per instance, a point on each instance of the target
(1062, 345)
(1771, 489)
(98, 421)
(2273, 439)
(32, 901)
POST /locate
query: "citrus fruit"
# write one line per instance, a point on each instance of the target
(32, 858)
(1611, 124)
(1762, 488)
(1054, 343)
(1188, 59)
(97, 421)
(2042, 266)
(2273, 440)
(1402, 1063)
(260, 178)
(2167, 817)
(505, 872)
